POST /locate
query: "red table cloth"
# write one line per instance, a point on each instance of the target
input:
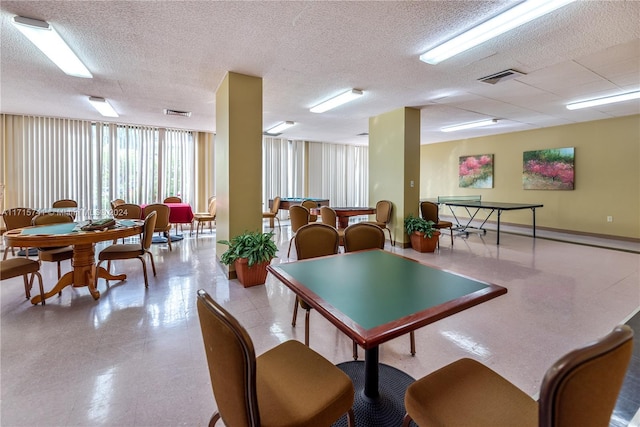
(179, 213)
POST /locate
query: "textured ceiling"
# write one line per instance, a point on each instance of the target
(150, 55)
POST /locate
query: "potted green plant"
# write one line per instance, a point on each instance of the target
(422, 233)
(250, 253)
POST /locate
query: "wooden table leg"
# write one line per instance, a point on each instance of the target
(64, 281)
(343, 221)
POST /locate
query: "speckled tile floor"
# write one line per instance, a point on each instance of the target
(135, 356)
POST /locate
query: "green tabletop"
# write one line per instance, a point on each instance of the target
(67, 227)
(375, 295)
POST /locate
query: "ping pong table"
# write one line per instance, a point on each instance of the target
(475, 202)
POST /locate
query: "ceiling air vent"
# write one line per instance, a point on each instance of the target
(500, 76)
(363, 134)
(177, 113)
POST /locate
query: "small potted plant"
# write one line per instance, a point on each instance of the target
(424, 236)
(251, 253)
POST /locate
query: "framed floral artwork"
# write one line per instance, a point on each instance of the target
(550, 169)
(476, 171)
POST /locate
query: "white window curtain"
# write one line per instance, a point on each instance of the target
(339, 173)
(282, 169)
(93, 163)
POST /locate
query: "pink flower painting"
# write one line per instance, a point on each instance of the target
(476, 171)
(550, 169)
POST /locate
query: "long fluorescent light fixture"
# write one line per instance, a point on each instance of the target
(343, 98)
(281, 127)
(512, 18)
(103, 106)
(603, 101)
(469, 125)
(45, 37)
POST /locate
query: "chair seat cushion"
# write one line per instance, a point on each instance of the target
(203, 217)
(122, 251)
(444, 224)
(56, 254)
(15, 267)
(467, 392)
(298, 387)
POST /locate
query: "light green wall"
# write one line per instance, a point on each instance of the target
(607, 175)
(394, 162)
(238, 157)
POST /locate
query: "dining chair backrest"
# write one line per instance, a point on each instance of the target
(315, 240)
(172, 199)
(232, 363)
(147, 232)
(162, 220)
(65, 203)
(310, 204)
(361, 236)
(275, 205)
(51, 218)
(117, 202)
(127, 211)
(429, 211)
(212, 207)
(328, 215)
(383, 211)
(18, 217)
(299, 216)
(582, 387)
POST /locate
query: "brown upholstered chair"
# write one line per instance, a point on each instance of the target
(310, 204)
(429, 211)
(17, 218)
(57, 254)
(580, 389)
(15, 267)
(201, 218)
(162, 220)
(313, 240)
(289, 385)
(65, 203)
(172, 199)
(116, 202)
(329, 217)
(127, 211)
(133, 250)
(299, 216)
(272, 213)
(383, 217)
(361, 236)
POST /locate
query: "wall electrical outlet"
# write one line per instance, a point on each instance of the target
(609, 218)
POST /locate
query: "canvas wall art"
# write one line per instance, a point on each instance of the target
(551, 169)
(476, 171)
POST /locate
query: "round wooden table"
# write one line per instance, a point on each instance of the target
(84, 271)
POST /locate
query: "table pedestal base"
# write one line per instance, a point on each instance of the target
(388, 408)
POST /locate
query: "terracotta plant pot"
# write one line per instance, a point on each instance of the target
(251, 276)
(424, 244)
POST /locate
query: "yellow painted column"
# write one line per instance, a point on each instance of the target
(238, 158)
(394, 165)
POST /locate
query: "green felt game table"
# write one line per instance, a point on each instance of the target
(375, 296)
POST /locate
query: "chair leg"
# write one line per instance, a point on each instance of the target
(28, 283)
(144, 271)
(451, 230)
(355, 351)
(295, 312)
(351, 419)
(169, 240)
(290, 243)
(306, 328)
(214, 419)
(153, 264)
(412, 340)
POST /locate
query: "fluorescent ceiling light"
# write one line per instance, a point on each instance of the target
(281, 127)
(512, 18)
(603, 101)
(349, 95)
(103, 106)
(45, 37)
(469, 125)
